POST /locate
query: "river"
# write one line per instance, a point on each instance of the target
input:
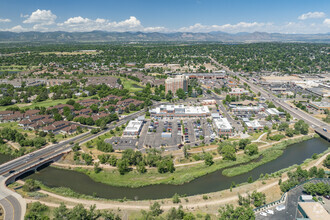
(81, 183)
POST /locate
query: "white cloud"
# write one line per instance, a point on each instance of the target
(43, 17)
(309, 15)
(4, 20)
(17, 28)
(326, 21)
(85, 24)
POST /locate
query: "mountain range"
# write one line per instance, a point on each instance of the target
(102, 36)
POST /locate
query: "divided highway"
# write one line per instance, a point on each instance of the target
(13, 204)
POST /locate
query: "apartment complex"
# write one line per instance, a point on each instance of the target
(179, 82)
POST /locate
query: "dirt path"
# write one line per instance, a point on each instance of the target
(132, 205)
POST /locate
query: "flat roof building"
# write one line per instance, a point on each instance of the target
(313, 211)
(180, 111)
(273, 111)
(253, 125)
(320, 105)
(133, 128)
(223, 126)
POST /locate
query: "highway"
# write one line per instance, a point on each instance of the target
(12, 203)
(316, 124)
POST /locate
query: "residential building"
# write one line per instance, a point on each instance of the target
(173, 84)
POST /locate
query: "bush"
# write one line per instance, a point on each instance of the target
(176, 198)
(30, 185)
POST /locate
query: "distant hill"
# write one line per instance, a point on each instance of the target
(102, 36)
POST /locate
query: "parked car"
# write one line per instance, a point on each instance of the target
(327, 197)
(269, 211)
(263, 213)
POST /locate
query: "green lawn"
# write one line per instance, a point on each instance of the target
(179, 176)
(131, 85)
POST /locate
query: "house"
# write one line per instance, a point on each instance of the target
(70, 129)
(56, 126)
(17, 116)
(5, 113)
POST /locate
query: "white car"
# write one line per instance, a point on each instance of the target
(263, 213)
(270, 212)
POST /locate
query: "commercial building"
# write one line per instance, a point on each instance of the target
(244, 110)
(313, 211)
(209, 102)
(180, 111)
(222, 126)
(273, 112)
(320, 105)
(238, 91)
(213, 76)
(253, 125)
(173, 84)
(133, 128)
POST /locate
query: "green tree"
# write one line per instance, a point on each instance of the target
(208, 159)
(241, 212)
(251, 149)
(30, 185)
(123, 166)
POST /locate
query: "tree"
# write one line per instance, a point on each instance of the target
(169, 95)
(36, 212)
(228, 152)
(176, 198)
(243, 143)
(141, 168)
(208, 159)
(241, 212)
(30, 185)
(180, 94)
(123, 166)
(155, 209)
(258, 198)
(97, 168)
(251, 149)
(250, 179)
(326, 162)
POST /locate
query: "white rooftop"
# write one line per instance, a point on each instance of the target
(253, 124)
(222, 123)
(133, 126)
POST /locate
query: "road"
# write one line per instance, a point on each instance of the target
(12, 203)
(316, 124)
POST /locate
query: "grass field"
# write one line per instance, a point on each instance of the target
(180, 176)
(267, 156)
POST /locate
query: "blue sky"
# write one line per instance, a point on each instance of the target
(283, 16)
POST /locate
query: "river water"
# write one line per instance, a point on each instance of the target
(81, 183)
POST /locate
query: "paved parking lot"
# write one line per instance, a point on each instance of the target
(122, 143)
(152, 130)
(291, 204)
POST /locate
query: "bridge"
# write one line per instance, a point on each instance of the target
(13, 204)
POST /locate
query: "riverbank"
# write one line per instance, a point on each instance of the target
(268, 155)
(194, 203)
(189, 172)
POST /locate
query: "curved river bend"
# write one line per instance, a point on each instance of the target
(81, 183)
